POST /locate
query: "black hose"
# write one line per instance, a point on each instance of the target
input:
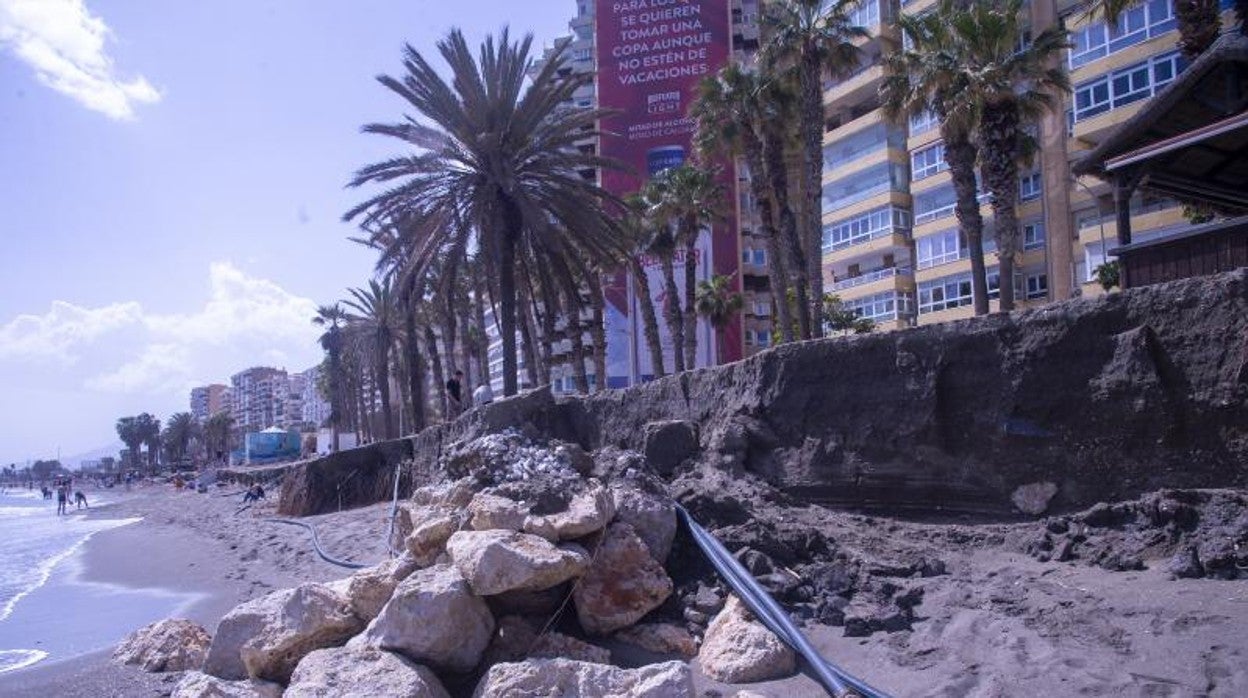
(316, 543)
(835, 680)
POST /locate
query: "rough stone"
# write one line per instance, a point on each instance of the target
(660, 638)
(198, 685)
(587, 512)
(623, 584)
(370, 588)
(489, 511)
(1034, 498)
(431, 526)
(433, 618)
(668, 443)
(264, 638)
(563, 677)
(652, 516)
(341, 671)
(173, 644)
(496, 561)
(739, 649)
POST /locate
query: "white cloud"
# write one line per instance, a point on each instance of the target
(59, 334)
(161, 368)
(65, 45)
(122, 348)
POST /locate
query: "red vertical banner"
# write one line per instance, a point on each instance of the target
(651, 56)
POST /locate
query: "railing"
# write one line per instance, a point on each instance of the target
(871, 277)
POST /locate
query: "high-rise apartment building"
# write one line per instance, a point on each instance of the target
(891, 246)
(314, 406)
(259, 397)
(208, 400)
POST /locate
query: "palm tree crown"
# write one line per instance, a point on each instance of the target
(496, 165)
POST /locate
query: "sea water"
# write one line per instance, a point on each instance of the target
(46, 609)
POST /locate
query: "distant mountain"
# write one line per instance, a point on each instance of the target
(95, 454)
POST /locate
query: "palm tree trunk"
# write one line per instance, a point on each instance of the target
(690, 235)
(777, 176)
(999, 152)
(675, 323)
(465, 339)
(536, 345)
(439, 376)
(383, 386)
(415, 366)
(483, 343)
(550, 308)
(510, 233)
(777, 273)
(528, 333)
(650, 323)
(960, 154)
(812, 144)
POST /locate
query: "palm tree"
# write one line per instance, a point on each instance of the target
(731, 113)
(1011, 88)
(148, 428)
(930, 77)
(688, 199)
(494, 154)
(663, 247)
(217, 433)
(718, 302)
(332, 317)
(638, 232)
(811, 38)
(179, 431)
(128, 432)
(376, 317)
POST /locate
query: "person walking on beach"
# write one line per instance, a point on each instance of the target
(80, 499)
(454, 394)
(62, 495)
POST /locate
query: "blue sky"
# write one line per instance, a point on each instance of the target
(171, 183)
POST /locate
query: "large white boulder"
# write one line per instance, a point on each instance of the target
(567, 678)
(430, 526)
(588, 511)
(264, 638)
(660, 638)
(197, 685)
(739, 649)
(173, 644)
(623, 584)
(370, 588)
(340, 671)
(517, 639)
(489, 511)
(497, 561)
(433, 618)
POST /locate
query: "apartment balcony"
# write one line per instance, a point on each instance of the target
(914, 7)
(875, 117)
(864, 159)
(900, 279)
(855, 88)
(1090, 230)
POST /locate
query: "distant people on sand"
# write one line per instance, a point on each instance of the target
(254, 493)
(80, 499)
(455, 394)
(483, 395)
(47, 492)
(62, 499)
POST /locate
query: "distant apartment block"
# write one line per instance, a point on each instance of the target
(208, 400)
(314, 406)
(259, 398)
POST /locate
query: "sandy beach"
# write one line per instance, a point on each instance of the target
(999, 623)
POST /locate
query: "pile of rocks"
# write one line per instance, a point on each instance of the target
(1204, 533)
(518, 578)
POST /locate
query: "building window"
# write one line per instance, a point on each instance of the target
(953, 291)
(922, 122)
(867, 226)
(941, 248)
(849, 190)
(1033, 235)
(760, 257)
(928, 161)
(1030, 187)
(934, 204)
(866, 14)
(762, 308)
(889, 305)
(763, 338)
(1135, 25)
(1122, 87)
(1037, 286)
